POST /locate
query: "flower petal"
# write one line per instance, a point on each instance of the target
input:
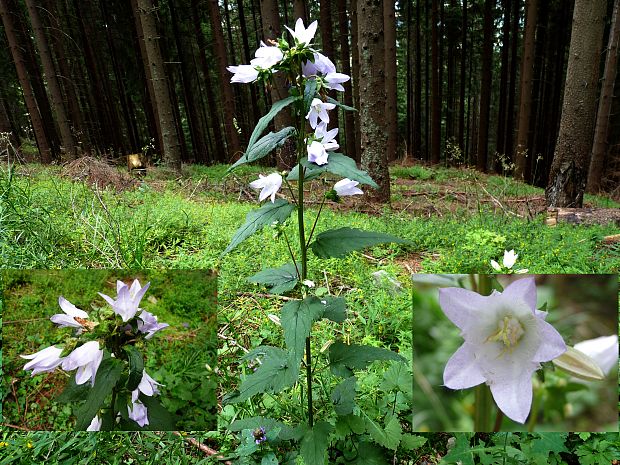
(462, 370)
(461, 306)
(551, 343)
(514, 396)
(522, 289)
(71, 309)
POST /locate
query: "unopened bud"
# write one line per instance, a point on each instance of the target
(578, 364)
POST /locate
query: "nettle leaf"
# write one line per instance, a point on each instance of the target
(412, 441)
(277, 371)
(388, 437)
(280, 279)
(547, 443)
(309, 94)
(269, 459)
(264, 146)
(344, 358)
(335, 308)
(348, 424)
(369, 454)
(108, 374)
(136, 367)
(341, 105)
(296, 318)
(397, 377)
(343, 396)
(337, 243)
(278, 211)
(337, 164)
(315, 442)
(461, 451)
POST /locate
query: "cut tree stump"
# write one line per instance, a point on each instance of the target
(582, 216)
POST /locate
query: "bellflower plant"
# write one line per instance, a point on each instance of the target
(309, 76)
(110, 384)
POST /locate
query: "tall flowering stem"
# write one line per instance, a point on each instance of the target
(483, 398)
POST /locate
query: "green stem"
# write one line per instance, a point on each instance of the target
(316, 220)
(531, 424)
(484, 400)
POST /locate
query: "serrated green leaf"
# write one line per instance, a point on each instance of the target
(309, 94)
(549, 442)
(348, 424)
(388, 437)
(343, 358)
(341, 105)
(278, 211)
(337, 164)
(335, 308)
(296, 319)
(369, 454)
(136, 367)
(269, 459)
(264, 146)
(337, 243)
(108, 374)
(461, 452)
(286, 432)
(315, 442)
(343, 396)
(412, 442)
(277, 371)
(280, 279)
(397, 377)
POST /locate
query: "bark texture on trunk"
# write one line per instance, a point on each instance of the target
(391, 109)
(435, 91)
(485, 88)
(372, 94)
(569, 170)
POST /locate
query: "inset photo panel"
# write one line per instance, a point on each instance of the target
(515, 352)
(103, 350)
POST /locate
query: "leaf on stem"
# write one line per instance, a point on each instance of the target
(344, 358)
(341, 105)
(336, 243)
(315, 443)
(337, 164)
(309, 93)
(264, 146)
(343, 396)
(278, 211)
(136, 367)
(297, 318)
(280, 280)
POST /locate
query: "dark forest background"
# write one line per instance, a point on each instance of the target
(465, 82)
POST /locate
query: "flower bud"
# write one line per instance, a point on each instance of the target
(578, 364)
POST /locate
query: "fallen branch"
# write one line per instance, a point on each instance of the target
(206, 449)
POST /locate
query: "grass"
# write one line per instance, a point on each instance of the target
(453, 222)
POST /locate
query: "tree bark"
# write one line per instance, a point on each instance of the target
(52, 81)
(345, 55)
(327, 35)
(463, 82)
(512, 89)
(502, 113)
(485, 87)
(355, 78)
(228, 102)
(569, 170)
(525, 99)
(391, 101)
(599, 149)
(299, 10)
(436, 105)
(372, 95)
(24, 81)
(171, 145)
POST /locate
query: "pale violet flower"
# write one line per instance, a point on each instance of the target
(68, 318)
(317, 149)
(322, 65)
(243, 73)
(86, 359)
(506, 339)
(301, 34)
(147, 386)
(95, 424)
(335, 80)
(509, 260)
(603, 350)
(266, 56)
(137, 412)
(270, 185)
(318, 110)
(128, 299)
(147, 323)
(44, 360)
(347, 187)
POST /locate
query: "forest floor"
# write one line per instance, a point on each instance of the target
(89, 215)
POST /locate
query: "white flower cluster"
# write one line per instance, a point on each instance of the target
(320, 68)
(87, 357)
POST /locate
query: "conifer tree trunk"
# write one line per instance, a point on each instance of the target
(569, 170)
(525, 99)
(512, 88)
(171, 145)
(463, 81)
(503, 87)
(24, 81)
(355, 78)
(485, 87)
(435, 91)
(599, 149)
(299, 10)
(345, 54)
(254, 110)
(391, 109)
(327, 35)
(52, 81)
(371, 48)
(417, 122)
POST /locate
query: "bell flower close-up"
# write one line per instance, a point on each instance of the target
(138, 413)
(302, 34)
(44, 360)
(68, 319)
(324, 142)
(347, 187)
(318, 110)
(505, 340)
(243, 74)
(266, 56)
(95, 424)
(147, 386)
(270, 185)
(148, 324)
(128, 299)
(603, 350)
(321, 65)
(86, 359)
